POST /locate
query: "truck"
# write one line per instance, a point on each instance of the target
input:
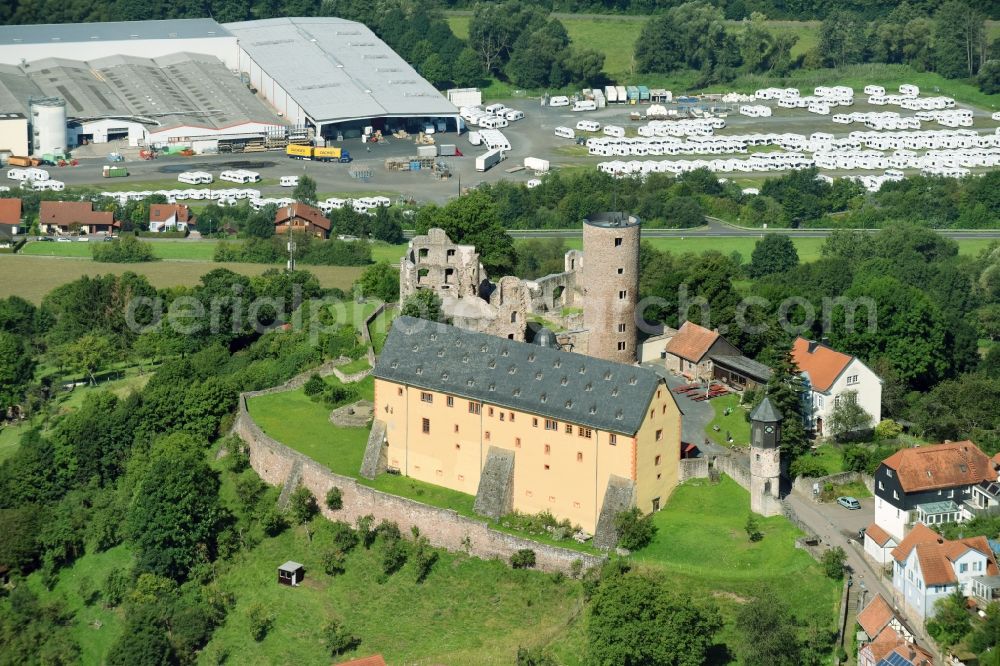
(114, 171)
(332, 155)
(489, 159)
(297, 152)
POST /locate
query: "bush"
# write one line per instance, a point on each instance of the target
(334, 562)
(523, 559)
(833, 562)
(272, 522)
(124, 250)
(394, 554)
(115, 588)
(334, 499)
(302, 506)
(424, 558)
(635, 530)
(752, 528)
(314, 386)
(260, 621)
(808, 466)
(888, 429)
(338, 639)
(342, 536)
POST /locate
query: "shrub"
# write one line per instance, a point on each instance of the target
(424, 558)
(124, 250)
(394, 553)
(523, 559)
(342, 536)
(314, 386)
(833, 562)
(888, 429)
(753, 529)
(302, 506)
(115, 588)
(364, 526)
(334, 562)
(260, 621)
(338, 639)
(272, 522)
(634, 529)
(808, 466)
(334, 499)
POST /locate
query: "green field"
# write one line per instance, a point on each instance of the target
(187, 250)
(808, 248)
(387, 252)
(702, 545)
(9, 436)
(32, 277)
(735, 423)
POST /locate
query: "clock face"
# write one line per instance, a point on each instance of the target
(769, 429)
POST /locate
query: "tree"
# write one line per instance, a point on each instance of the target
(635, 530)
(951, 621)
(989, 77)
(436, 70)
(523, 559)
(841, 38)
(473, 219)
(302, 506)
(986, 635)
(775, 253)
(848, 417)
(752, 528)
(766, 634)
(124, 250)
(380, 281)
(683, 37)
(174, 517)
(305, 191)
(338, 639)
(334, 499)
(16, 370)
(786, 389)
(634, 619)
(960, 41)
(260, 621)
(259, 225)
(833, 562)
(425, 304)
(467, 70)
(143, 641)
(88, 354)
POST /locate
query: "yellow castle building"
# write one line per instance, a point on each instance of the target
(525, 427)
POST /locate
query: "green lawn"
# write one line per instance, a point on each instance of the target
(808, 248)
(386, 252)
(467, 611)
(830, 456)
(735, 423)
(10, 436)
(701, 544)
(191, 250)
(356, 365)
(95, 628)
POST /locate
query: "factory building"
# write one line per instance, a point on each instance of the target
(196, 83)
(13, 133)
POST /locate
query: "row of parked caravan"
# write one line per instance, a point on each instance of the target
(30, 173)
(195, 178)
(494, 116)
(222, 197)
(755, 111)
(360, 205)
(913, 103)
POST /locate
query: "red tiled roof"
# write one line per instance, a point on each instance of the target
(70, 213)
(918, 535)
(823, 364)
(955, 549)
(875, 616)
(10, 211)
(374, 660)
(878, 535)
(940, 466)
(163, 212)
(935, 568)
(692, 342)
(937, 556)
(302, 211)
(889, 641)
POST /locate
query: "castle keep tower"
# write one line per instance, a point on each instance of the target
(610, 285)
(765, 459)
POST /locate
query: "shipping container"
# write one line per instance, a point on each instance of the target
(643, 94)
(427, 151)
(633, 94)
(611, 93)
(622, 95)
(114, 171)
(448, 150)
(326, 154)
(488, 160)
(297, 152)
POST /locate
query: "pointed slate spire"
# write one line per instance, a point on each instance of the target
(766, 412)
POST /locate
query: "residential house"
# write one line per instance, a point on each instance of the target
(65, 217)
(170, 217)
(877, 616)
(829, 375)
(10, 219)
(690, 351)
(879, 545)
(301, 217)
(928, 568)
(940, 483)
(891, 649)
(575, 431)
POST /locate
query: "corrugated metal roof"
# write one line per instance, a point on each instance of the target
(552, 383)
(338, 70)
(203, 28)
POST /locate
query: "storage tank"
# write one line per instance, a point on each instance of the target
(48, 126)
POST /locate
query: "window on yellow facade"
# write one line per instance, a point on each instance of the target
(490, 411)
(426, 426)
(612, 439)
(501, 416)
(475, 408)
(458, 447)
(551, 425)
(450, 401)
(569, 429)
(399, 391)
(585, 432)
(517, 442)
(534, 423)
(659, 435)
(547, 466)
(511, 414)
(656, 461)
(664, 411)
(426, 397)
(456, 427)
(548, 449)
(579, 457)
(486, 435)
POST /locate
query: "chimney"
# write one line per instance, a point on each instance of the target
(812, 346)
(825, 340)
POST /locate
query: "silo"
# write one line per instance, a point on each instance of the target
(48, 126)
(610, 280)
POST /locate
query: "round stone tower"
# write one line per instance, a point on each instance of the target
(610, 281)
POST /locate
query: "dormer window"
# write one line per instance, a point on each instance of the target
(538, 376)
(614, 392)
(511, 370)
(632, 380)
(607, 376)
(569, 404)
(543, 397)
(531, 358)
(419, 370)
(493, 364)
(564, 381)
(557, 363)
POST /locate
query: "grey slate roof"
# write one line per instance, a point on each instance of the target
(745, 366)
(111, 31)
(766, 412)
(338, 70)
(552, 383)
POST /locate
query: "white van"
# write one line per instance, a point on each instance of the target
(585, 105)
(565, 133)
(513, 114)
(588, 126)
(288, 181)
(615, 131)
(559, 101)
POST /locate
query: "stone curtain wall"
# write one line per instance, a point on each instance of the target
(735, 471)
(444, 528)
(804, 484)
(693, 468)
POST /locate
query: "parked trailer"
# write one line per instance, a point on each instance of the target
(297, 152)
(288, 181)
(494, 139)
(448, 150)
(195, 178)
(559, 100)
(622, 94)
(643, 94)
(633, 94)
(536, 164)
(585, 105)
(611, 94)
(489, 159)
(565, 133)
(331, 155)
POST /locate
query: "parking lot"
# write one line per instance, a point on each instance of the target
(531, 137)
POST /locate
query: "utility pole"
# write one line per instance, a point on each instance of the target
(291, 245)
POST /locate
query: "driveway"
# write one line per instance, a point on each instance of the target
(697, 415)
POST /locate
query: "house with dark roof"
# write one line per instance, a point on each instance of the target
(940, 483)
(927, 568)
(71, 217)
(10, 219)
(831, 376)
(301, 217)
(540, 428)
(170, 217)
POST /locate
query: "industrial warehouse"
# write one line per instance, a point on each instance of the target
(193, 83)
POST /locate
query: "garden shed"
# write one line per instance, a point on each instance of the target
(291, 573)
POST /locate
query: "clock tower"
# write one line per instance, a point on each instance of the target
(765, 459)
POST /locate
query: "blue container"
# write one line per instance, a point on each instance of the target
(414, 166)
